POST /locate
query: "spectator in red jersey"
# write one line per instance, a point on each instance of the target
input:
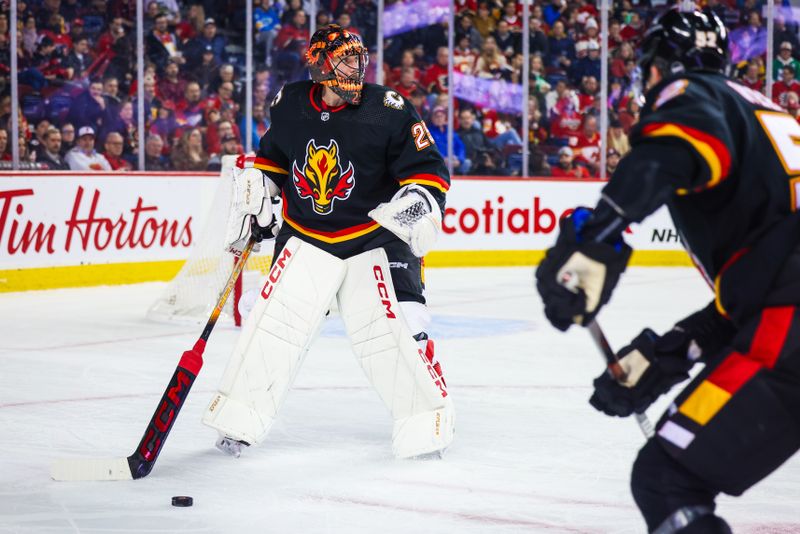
(57, 31)
(630, 115)
(407, 60)
(107, 38)
(435, 78)
(615, 39)
(113, 152)
(587, 146)
(468, 6)
(291, 44)
(562, 111)
(787, 83)
(634, 30)
(511, 16)
(566, 167)
(751, 77)
(589, 92)
(406, 85)
(793, 104)
(171, 87)
(464, 57)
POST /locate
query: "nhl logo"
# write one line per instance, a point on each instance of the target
(325, 116)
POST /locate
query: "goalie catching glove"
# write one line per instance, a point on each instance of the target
(251, 210)
(596, 264)
(412, 215)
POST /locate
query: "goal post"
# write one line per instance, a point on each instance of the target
(191, 295)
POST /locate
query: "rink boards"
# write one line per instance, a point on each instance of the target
(65, 230)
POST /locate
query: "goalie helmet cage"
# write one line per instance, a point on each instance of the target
(192, 293)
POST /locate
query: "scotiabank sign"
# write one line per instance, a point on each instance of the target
(509, 214)
(61, 220)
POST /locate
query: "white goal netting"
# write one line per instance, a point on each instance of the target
(191, 296)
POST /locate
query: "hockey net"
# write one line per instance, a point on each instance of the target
(191, 296)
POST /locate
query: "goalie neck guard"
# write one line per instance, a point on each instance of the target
(338, 59)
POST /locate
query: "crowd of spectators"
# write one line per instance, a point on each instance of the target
(79, 85)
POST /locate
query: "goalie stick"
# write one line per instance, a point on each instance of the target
(141, 462)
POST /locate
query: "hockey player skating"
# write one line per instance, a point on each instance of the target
(363, 188)
(726, 161)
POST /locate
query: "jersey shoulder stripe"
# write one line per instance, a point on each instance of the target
(431, 180)
(713, 151)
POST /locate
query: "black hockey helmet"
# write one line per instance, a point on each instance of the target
(681, 41)
(337, 58)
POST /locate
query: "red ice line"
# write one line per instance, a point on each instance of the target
(492, 520)
(303, 388)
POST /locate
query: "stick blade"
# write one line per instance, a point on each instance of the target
(84, 469)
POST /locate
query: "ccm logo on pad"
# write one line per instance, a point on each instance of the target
(383, 291)
(275, 273)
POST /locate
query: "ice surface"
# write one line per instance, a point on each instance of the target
(81, 371)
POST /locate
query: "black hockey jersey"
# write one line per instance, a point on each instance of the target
(734, 194)
(334, 165)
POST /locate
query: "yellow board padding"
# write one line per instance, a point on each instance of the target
(704, 402)
(133, 273)
(510, 258)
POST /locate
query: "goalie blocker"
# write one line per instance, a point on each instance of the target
(385, 334)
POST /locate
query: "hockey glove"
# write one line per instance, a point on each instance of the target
(596, 264)
(412, 215)
(653, 364)
(251, 208)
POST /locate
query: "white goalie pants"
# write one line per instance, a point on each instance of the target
(299, 290)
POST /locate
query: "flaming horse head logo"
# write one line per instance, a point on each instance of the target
(322, 179)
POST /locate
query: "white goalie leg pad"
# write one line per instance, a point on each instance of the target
(277, 333)
(404, 378)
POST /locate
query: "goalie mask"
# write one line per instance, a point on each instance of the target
(338, 59)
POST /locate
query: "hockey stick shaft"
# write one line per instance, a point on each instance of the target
(144, 457)
(141, 462)
(616, 371)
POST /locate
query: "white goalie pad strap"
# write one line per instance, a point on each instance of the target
(297, 294)
(412, 215)
(392, 360)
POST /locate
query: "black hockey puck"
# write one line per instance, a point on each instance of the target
(182, 501)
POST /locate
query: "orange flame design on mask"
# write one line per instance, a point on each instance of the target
(321, 178)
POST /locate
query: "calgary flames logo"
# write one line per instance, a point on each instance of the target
(321, 178)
